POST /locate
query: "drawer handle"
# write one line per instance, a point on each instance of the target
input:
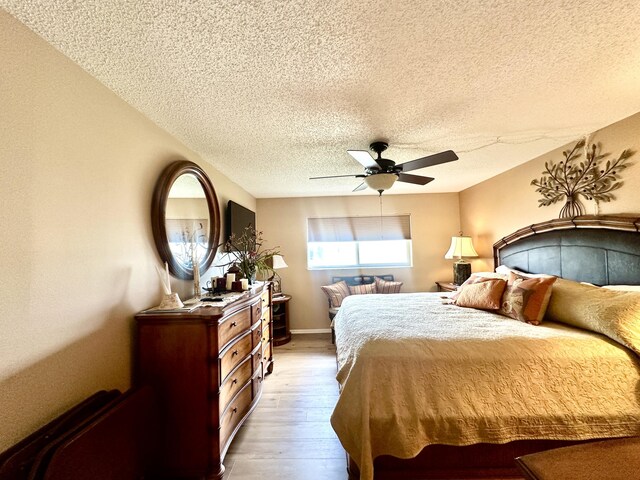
(234, 353)
(235, 380)
(235, 410)
(234, 324)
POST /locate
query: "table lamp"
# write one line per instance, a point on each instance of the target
(461, 246)
(275, 262)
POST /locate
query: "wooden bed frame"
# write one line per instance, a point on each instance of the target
(600, 250)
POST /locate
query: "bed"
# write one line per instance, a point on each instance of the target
(433, 390)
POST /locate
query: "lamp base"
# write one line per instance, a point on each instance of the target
(461, 272)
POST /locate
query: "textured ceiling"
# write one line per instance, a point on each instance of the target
(274, 92)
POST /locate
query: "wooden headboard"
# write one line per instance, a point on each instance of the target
(603, 250)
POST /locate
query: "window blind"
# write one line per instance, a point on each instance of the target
(350, 229)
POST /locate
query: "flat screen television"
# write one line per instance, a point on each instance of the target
(238, 218)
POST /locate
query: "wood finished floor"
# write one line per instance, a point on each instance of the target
(288, 436)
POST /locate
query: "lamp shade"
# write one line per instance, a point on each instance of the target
(461, 247)
(277, 261)
(381, 181)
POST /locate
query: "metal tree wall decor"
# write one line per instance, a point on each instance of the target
(593, 178)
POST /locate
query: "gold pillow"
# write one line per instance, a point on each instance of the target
(612, 313)
(482, 276)
(484, 295)
(526, 299)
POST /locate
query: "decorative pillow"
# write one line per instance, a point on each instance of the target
(336, 293)
(385, 286)
(476, 278)
(484, 295)
(480, 276)
(526, 299)
(612, 313)
(623, 288)
(362, 289)
(504, 270)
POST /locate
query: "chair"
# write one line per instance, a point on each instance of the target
(351, 281)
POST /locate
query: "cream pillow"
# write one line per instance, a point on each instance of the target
(504, 270)
(623, 288)
(612, 313)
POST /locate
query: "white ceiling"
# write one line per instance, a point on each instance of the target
(274, 92)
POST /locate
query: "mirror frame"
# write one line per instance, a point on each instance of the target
(159, 209)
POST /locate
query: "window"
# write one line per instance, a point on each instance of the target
(355, 242)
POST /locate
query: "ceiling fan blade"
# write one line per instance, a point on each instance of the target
(338, 176)
(364, 158)
(362, 186)
(429, 161)
(417, 179)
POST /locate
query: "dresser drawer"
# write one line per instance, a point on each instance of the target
(233, 326)
(237, 409)
(256, 309)
(256, 359)
(256, 335)
(256, 382)
(234, 382)
(266, 317)
(233, 355)
(265, 335)
(266, 351)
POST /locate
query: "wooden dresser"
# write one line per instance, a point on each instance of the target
(207, 368)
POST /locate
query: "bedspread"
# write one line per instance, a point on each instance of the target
(414, 371)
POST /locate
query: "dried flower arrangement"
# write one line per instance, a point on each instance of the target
(593, 179)
(248, 254)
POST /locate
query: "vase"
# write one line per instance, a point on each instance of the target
(248, 271)
(572, 208)
(250, 275)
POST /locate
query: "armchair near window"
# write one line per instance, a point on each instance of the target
(342, 287)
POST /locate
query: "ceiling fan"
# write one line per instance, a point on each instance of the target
(381, 173)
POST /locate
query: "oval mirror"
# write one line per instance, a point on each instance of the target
(185, 218)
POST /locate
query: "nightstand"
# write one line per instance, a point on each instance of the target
(446, 286)
(281, 333)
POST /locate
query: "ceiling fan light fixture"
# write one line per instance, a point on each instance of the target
(381, 181)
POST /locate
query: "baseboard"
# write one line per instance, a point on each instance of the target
(311, 330)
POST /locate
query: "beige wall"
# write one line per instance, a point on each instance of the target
(507, 202)
(77, 170)
(434, 219)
